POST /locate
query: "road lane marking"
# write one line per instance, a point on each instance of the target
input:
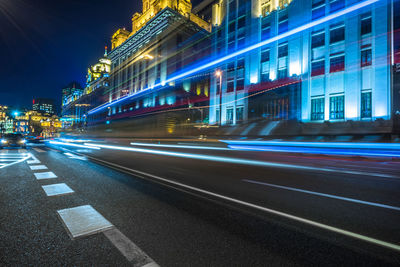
(129, 249)
(34, 160)
(38, 167)
(325, 195)
(9, 159)
(72, 156)
(179, 186)
(83, 220)
(38, 150)
(45, 175)
(57, 189)
(237, 161)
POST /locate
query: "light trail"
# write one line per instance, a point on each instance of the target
(316, 144)
(180, 146)
(306, 150)
(185, 188)
(238, 161)
(73, 145)
(243, 51)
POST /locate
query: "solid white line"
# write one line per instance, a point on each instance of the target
(238, 161)
(254, 206)
(325, 195)
(129, 249)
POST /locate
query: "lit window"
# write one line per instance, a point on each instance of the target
(337, 64)
(317, 109)
(366, 57)
(239, 114)
(335, 5)
(317, 39)
(366, 106)
(229, 116)
(318, 67)
(366, 24)
(337, 34)
(336, 107)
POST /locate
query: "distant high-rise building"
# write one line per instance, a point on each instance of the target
(71, 92)
(44, 105)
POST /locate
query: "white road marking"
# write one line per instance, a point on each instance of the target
(8, 159)
(45, 175)
(38, 167)
(325, 195)
(83, 220)
(38, 150)
(129, 249)
(259, 163)
(57, 189)
(34, 160)
(254, 206)
(72, 156)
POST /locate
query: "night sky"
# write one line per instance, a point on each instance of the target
(46, 44)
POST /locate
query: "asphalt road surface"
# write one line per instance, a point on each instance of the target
(186, 203)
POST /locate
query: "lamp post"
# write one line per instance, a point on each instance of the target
(218, 73)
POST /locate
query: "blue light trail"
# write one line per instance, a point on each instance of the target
(235, 160)
(181, 146)
(213, 63)
(73, 145)
(316, 144)
(323, 151)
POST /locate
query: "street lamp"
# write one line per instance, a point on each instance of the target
(218, 73)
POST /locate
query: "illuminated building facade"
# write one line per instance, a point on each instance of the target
(165, 37)
(337, 70)
(44, 105)
(71, 92)
(79, 101)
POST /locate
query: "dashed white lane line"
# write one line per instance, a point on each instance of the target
(45, 175)
(72, 156)
(57, 189)
(38, 167)
(38, 150)
(34, 160)
(83, 220)
(129, 249)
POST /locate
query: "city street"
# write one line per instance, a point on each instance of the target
(189, 203)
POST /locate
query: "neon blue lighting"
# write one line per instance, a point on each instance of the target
(316, 144)
(243, 51)
(73, 145)
(235, 160)
(326, 151)
(178, 146)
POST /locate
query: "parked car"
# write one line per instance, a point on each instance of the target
(13, 140)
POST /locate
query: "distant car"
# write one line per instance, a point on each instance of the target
(13, 140)
(34, 139)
